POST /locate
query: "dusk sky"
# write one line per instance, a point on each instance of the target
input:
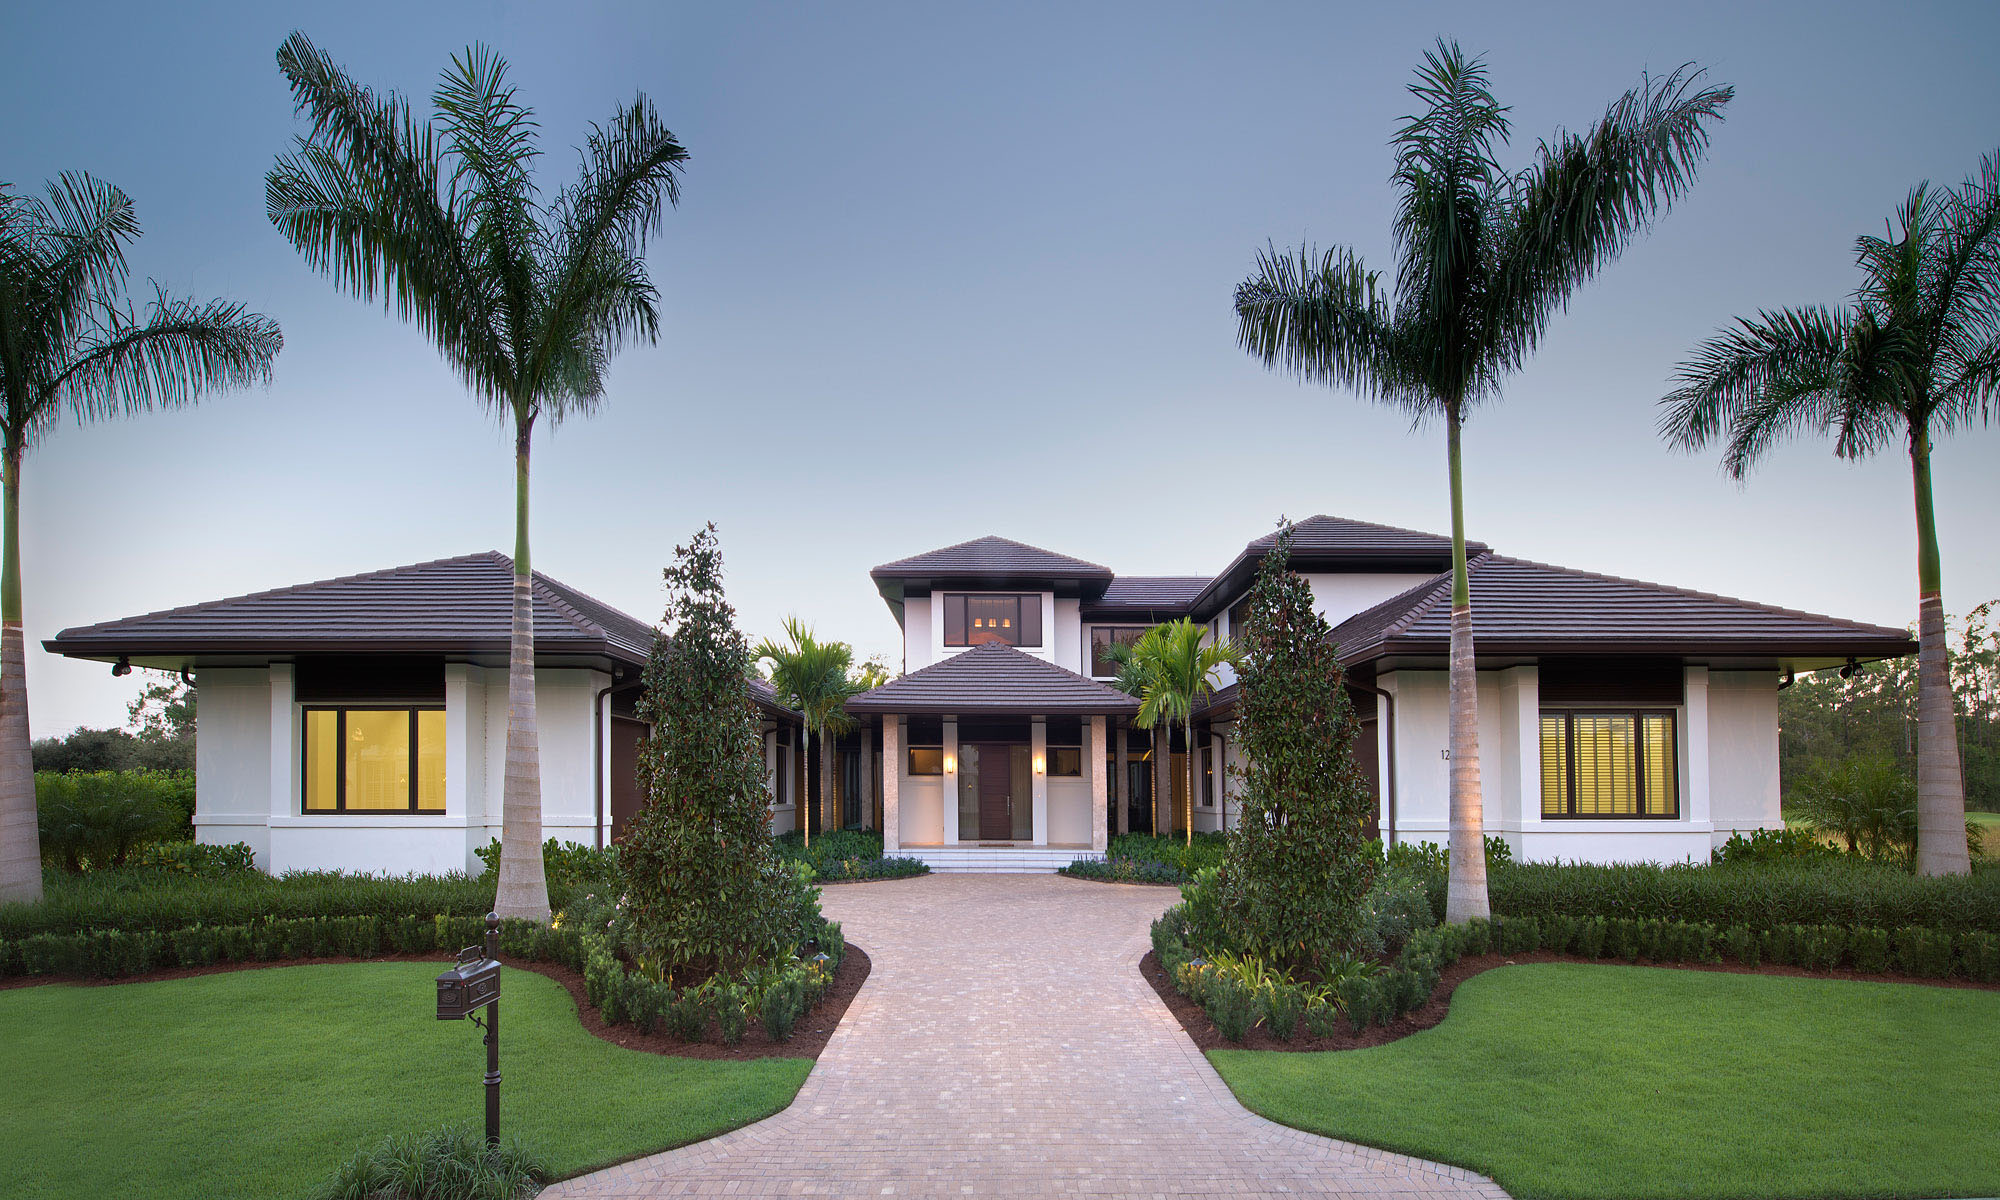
(943, 271)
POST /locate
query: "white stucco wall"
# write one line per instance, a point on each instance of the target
(1743, 752)
(247, 759)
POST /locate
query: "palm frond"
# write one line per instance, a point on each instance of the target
(490, 138)
(1445, 169)
(1322, 319)
(1793, 352)
(1585, 197)
(185, 348)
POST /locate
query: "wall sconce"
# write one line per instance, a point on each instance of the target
(1041, 764)
(950, 764)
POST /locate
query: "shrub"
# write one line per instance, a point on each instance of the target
(1774, 846)
(1322, 1017)
(1870, 950)
(1590, 934)
(841, 855)
(1979, 954)
(1170, 854)
(195, 858)
(687, 1016)
(444, 1164)
(1123, 870)
(1284, 1005)
(707, 892)
(1923, 952)
(780, 1007)
(731, 1004)
(1296, 871)
(97, 818)
(1232, 1005)
(567, 865)
(1824, 947)
(1396, 907)
(1745, 944)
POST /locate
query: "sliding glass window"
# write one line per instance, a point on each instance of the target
(1598, 763)
(373, 759)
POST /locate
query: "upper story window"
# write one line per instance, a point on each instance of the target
(1239, 616)
(1103, 637)
(374, 759)
(971, 619)
(1608, 763)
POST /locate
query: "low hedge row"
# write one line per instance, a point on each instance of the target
(776, 998)
(116, 953)
(155, 902)
(1409, 981)
(1123, 870)
(1762, 896)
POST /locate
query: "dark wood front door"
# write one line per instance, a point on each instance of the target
(996, 794)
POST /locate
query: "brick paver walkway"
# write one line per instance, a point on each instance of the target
(1005, 1043)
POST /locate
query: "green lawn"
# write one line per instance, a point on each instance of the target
(1989, 832)
(257, 1083)
(1574, 1080)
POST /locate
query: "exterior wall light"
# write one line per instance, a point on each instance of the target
(1041, 764)
(950, 764)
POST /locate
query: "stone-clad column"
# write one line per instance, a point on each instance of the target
(1100, 796)
(892, 774)
(867, 752)
(1123, 781)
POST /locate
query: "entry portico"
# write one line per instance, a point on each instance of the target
(995, 758)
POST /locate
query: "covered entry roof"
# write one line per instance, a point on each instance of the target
(994, 678)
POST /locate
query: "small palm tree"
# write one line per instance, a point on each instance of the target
(1173, 671)
(527, 299)
(816, 678)
(1915, 354)
(71, 342)
(1485, 259)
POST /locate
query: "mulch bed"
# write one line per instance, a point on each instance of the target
(1195, 1020)
(809, 1036)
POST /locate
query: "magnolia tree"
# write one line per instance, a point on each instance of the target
(705, 890)
(1298, 867)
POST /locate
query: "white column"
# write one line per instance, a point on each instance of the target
(950, 784)
(1100, 811)
(1694, 736)
(1038, 757)
(892, 774)
(284, 746)
(1528, 697)
(455, 757)
(867, 752)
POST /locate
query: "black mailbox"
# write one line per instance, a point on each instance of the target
(468, 987)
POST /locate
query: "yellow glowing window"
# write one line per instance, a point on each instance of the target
(374, 760)
(1599, 764)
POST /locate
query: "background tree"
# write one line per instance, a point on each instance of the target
(1296, 871)
(705, 889)
(1484, 259)
(71, 342)
(528, 300)
(816, 678)
(1172, 673)
(1914, 354)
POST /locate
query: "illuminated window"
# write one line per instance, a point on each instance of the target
(1065, 747)
(1598, 763)
(373, 760)
(926, 737)
(971, 619)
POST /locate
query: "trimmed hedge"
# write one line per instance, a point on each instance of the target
(1415, 973)
(151, 901)
(1123, 870)
(1762, 896)
(845, 855)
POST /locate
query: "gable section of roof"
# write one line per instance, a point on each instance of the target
(1148, 593)
(1517, 601)
(465, 600)
(994, 677)
(1322, 534)
(995, 557)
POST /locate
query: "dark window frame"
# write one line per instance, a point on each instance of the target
(1641, 786)
(957, 622)
(1138, 631)
(913, 731)
(1207, 774)
(340, 808)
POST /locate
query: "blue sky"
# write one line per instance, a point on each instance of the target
(941, 271)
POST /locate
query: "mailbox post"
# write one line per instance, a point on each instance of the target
(473, 984)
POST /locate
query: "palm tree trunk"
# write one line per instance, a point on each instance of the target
(20, 843)
(524, 888)
(1465, 894)
(1163, 780)
(1187, 808)
(802, 767)
(1941, 847)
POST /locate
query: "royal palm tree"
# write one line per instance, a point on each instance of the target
(1485, 258)
(528, 300)
(816, 678)
(71, 342)
(1172, 671)
(1913, 355)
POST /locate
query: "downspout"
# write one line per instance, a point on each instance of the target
(1389, 766)
(597, 744)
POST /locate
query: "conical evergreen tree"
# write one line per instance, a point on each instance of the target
(705, 889)
(1297, 868)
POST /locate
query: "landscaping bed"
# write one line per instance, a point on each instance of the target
(848, 856)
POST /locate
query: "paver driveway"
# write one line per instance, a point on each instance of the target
(1006, 1043)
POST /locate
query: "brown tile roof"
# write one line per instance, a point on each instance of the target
(1522, 605)
(991, 558)
(1323, 541)
(451, 604)
(1147, 594)
(994, 677)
